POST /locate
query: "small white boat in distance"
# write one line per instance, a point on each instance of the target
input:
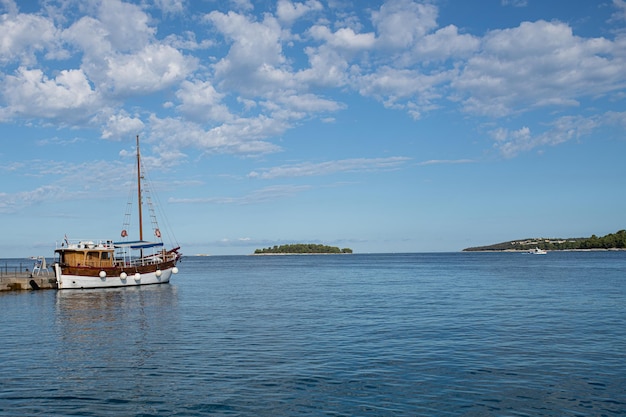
(537, 251)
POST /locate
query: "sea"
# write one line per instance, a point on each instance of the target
(424, 334)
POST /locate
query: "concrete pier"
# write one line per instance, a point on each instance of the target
(26, 281)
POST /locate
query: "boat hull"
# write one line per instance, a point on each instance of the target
(70, 279)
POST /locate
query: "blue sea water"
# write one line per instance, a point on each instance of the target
(449, 334)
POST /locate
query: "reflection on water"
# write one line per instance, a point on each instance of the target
(104, 333)
(106, 303)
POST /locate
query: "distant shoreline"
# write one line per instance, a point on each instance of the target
(550, 250)
(297, 254)
(612, 241)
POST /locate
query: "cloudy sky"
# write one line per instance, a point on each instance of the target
(383, 126)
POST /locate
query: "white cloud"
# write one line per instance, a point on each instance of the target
(515, 3)
(251, 65)
(305, 103)
(121, 55)
(538, 64)
(261, 78)
(244, 5)
(445, 43)
(392, 64)
(330, 167)
(620, 14)
(288, 11)
(121, 126)
(9, 6)
(187, 40)
(11, 203)
(200, 101)
(344, 38)
(446, 162)
(328, 68)
(126, 25)
(31, 94)
(153, 68)
(406, 89)
(563, 129)
(90, 37)
(24, 35)
(255, 67)
(244, 136)
(70, 182)
(263, 195)
(120, 58)
(400, 23)
(170, 6)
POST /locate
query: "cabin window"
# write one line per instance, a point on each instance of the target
(106, 256)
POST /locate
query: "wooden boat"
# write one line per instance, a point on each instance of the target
(103, 263)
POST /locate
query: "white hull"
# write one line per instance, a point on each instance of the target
(67, 282)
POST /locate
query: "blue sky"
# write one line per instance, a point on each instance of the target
(383, 126)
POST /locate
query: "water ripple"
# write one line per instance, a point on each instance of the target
(375, 335)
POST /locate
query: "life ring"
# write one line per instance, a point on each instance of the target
(124, 233)
(157, 232)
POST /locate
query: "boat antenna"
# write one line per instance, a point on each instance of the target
(139, 202)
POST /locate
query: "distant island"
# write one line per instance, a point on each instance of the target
(608, 242)
(301, 249)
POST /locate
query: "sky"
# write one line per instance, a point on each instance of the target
(381, 126)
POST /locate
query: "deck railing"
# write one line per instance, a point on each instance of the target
(7, 270)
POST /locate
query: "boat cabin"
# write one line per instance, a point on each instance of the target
(90, 254)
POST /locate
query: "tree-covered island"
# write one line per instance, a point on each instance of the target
(301, 249)
(608, 242)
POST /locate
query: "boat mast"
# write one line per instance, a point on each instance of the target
(139, 202)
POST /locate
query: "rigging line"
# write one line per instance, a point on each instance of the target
(129, 207)
(148, 190)
(158, 205)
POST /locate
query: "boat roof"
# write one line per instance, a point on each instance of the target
(137, 244)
